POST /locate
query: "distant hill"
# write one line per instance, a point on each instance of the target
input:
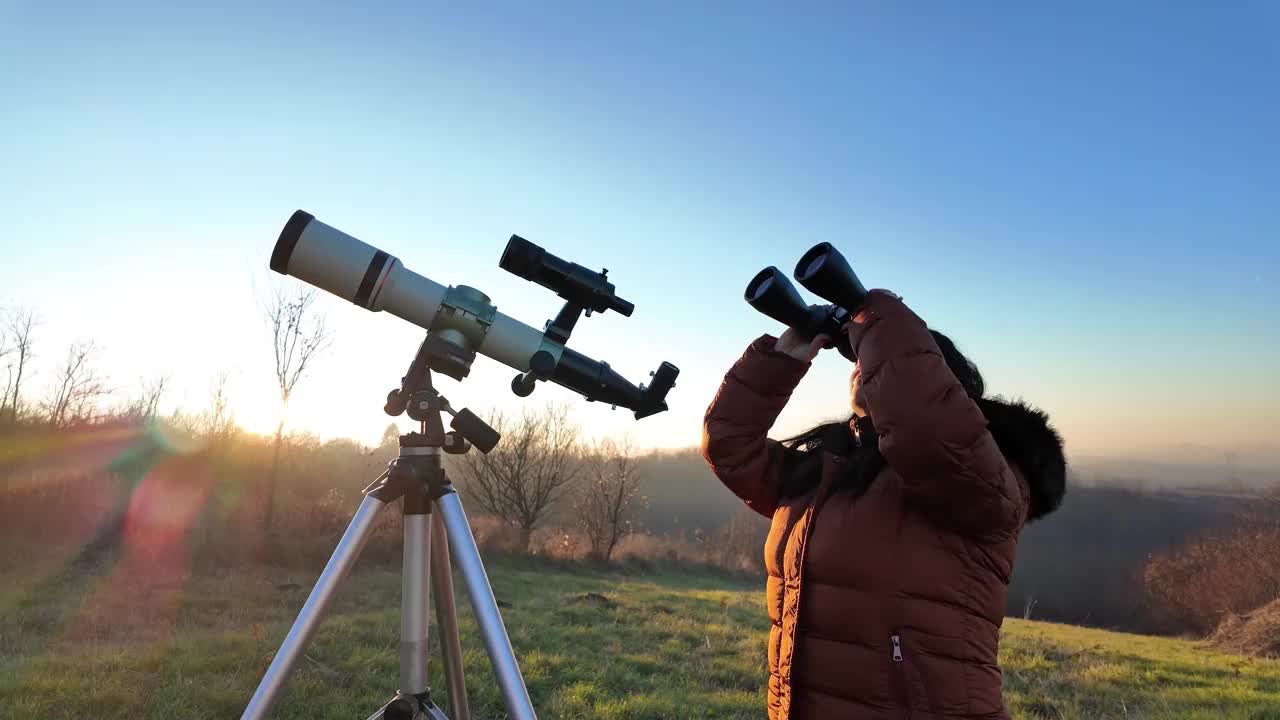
(682, 494)
(1082, 565)
(1201, 470)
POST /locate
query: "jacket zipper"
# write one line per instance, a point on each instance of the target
(902, 676)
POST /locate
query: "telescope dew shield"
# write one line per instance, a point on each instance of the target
(355, 271)
(333, 261)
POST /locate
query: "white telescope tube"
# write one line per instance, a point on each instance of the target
(336, 262)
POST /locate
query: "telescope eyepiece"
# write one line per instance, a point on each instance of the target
(664, 378)
(620, 306)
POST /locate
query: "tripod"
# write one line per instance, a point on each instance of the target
(434, 524)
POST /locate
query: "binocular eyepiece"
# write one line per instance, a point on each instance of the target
(824, 272)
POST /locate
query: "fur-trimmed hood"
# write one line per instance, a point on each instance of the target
(1028, 441)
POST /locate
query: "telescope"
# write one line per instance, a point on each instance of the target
(464, 317)
(824, 272)
(460, 322)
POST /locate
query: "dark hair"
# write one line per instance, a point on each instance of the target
(962, 367)
(837, 437)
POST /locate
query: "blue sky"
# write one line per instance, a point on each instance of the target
(1084, 197)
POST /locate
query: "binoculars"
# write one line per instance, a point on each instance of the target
(824, 272)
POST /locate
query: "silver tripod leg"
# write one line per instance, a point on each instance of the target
(488, 618)
(447, 619)
(339, 565)
(420, 556)
(415, 601)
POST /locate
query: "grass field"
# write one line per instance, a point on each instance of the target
(107, 643)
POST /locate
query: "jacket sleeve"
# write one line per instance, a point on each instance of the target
(736, 424)
(931, 432)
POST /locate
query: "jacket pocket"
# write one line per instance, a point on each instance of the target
(917, 701)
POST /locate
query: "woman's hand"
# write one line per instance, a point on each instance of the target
(793, 345)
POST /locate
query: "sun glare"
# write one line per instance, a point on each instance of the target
(258, 416)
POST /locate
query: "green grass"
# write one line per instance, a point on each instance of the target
(591, 644)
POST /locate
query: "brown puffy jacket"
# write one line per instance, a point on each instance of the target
(887, 604)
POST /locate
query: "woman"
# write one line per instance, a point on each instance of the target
(893, 534)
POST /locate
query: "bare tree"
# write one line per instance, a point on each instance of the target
(152, 394)
(77, 389)
(145, 406)
(298, 333)
(20, 324)
(609, 497)
(522, 478)
(218, 421)
(737, 544)
(6, 350)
